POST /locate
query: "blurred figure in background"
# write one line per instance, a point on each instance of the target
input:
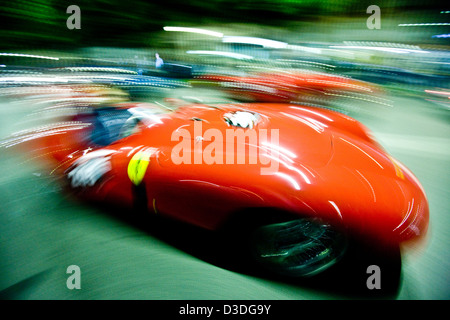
(159, 62)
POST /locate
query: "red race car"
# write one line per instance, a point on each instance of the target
(297, 182)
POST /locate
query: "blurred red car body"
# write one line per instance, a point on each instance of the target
(286, 86)
(329, 168)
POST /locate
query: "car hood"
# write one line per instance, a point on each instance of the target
(287, 134)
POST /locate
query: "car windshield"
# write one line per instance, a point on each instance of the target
(113, 123)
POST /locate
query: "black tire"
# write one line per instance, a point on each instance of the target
(296, 248)
(285, 245)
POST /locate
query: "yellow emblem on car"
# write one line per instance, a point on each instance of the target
(138, 165)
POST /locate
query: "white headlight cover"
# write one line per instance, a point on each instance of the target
(243, 119)
(89, 168)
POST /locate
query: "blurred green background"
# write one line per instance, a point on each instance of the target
(42, 23)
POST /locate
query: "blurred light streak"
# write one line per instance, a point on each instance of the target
(303, 48)
(390, 105)
(369, 184)
(276, 158)
(444, 93)
(289, 179)
(44, 131)
(221, 53)
(313, 124)
(82, 69)
(394, 45)
(447, 35)
(194, 30)
(336, 208)
(408, 213)
(422, 24)
(34, 79)
(280, 149)
(313, 112)
(267, 43)
(27, 56)
(386, 49)
(308, 62)
(362, 152)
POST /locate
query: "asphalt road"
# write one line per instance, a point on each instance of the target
(43, 231)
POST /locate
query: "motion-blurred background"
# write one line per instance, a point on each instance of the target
(401, 91)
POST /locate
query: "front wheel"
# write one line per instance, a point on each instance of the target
(299, 248)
